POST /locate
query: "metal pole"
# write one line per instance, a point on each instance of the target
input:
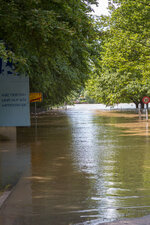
(139, 107)
(35, 109)
(146, 113)
(35, 123)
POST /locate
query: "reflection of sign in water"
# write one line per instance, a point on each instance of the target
(146, 100)
(35, 97)
(14, 98)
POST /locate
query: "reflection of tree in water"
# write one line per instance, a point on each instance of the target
(127, 184)
(14, 159)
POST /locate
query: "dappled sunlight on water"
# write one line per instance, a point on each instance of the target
(140, 128)
(117, 114)
(136, 127)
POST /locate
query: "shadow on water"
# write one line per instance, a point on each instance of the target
(14, 158)
(86, 167)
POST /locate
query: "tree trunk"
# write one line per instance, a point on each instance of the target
(142, 105)
(137, 104)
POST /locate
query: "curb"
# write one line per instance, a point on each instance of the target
(4, 197)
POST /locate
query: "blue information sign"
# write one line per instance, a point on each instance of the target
(14, 97)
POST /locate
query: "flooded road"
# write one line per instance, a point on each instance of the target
(84, 167)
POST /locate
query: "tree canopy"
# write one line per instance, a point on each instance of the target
(124, 74)
(50, 40)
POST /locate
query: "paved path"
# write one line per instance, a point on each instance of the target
(138, 221)
(17, 209)
(17, 205)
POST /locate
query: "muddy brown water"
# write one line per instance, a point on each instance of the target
(86, 167)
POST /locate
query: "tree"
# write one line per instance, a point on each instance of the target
(51, 41)
(125, 67)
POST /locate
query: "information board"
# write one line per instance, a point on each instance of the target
(14, 99)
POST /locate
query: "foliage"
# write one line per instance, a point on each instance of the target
(50, 40)
(124, 74)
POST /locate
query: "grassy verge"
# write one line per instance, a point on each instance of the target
(5, 188)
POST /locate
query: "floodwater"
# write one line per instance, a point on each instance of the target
(85, 166)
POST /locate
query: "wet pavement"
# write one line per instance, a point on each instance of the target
(17, 209)
(78, 166)
(138, 221)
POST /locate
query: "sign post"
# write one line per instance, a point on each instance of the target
(146, 100)
(139, 107)
(36, 97)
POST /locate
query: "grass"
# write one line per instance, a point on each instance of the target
(5, 188)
